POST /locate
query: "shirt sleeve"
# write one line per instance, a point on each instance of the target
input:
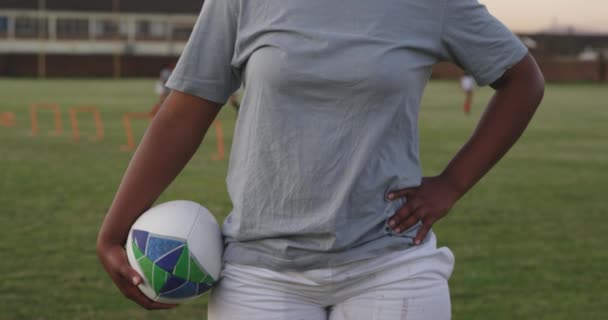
(476, 41)
(205, 68)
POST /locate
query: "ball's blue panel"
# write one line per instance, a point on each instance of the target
(169, 261)
(188, 289)
(158, 247)
(141, 238)
(202, 288)
(172, 284)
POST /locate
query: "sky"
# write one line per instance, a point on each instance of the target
(537, 15)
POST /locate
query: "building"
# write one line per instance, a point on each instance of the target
(102, 38)
(133, 38)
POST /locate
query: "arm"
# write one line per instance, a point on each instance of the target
(168, 144)
(518, 94)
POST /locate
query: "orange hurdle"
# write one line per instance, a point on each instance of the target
(219, 133)
(34, 117)
(126, 121)
(7, 119)
(96, 118)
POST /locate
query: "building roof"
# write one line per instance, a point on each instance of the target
(566, 44)
(135, 6)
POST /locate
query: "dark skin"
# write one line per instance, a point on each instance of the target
(184, 119)
(518, 94)
(181, 123)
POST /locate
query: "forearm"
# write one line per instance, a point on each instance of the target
(168, 144)
(507, 115)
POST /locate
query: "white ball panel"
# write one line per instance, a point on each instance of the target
(181, 213)
(205, 243)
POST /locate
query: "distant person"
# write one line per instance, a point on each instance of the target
(467, 84)
(603, 66)
(234, 102)
(331, 214)
(161, 89)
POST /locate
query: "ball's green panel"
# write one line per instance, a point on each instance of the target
(160, 277)
(146, 266)
(181, 268)
(196, 274)
(208, 280)
(138, 254)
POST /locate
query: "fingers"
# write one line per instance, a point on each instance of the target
(407, 223)
(125, 278)
(410, 214)
(402, 193)
(427, 203)
(127, 281)
(396, 221)
(131, 291)
(404, 218)
(427, 223)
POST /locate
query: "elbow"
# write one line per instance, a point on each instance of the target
(535, 89)
(531, 88)
(537, 83)
(525, 79)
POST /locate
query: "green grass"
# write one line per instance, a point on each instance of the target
(528, 239)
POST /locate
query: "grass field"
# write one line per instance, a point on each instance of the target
(529, 240)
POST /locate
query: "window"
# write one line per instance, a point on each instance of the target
(107, 29)
(182, 31)
(72, 28)
(3, 26)
(29, 27)
(151, 30)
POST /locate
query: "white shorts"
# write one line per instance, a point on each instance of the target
(409, 285)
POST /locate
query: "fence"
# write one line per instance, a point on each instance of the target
(553, 70)
(83, 66)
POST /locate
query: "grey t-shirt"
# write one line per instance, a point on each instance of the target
(329, 117)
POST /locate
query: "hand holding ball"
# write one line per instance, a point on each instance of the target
(177, 249)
